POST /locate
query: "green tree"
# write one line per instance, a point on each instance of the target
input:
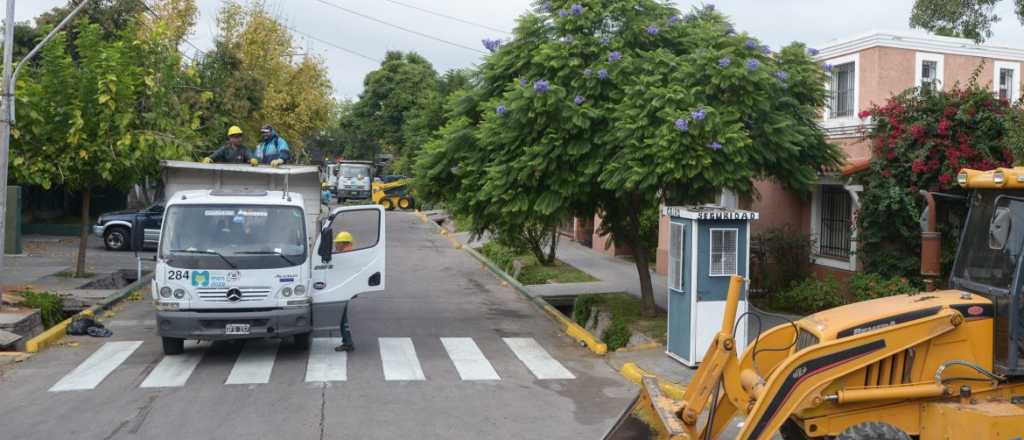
(103, 117)
(964, 18)
(616, 106)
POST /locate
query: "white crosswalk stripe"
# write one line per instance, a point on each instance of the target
(469, 361)
(399, 360)
(325, 364)
(97, 367)
(537, 359)
(254, 363)
(173, 371)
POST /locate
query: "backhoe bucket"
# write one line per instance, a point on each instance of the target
(650, 417)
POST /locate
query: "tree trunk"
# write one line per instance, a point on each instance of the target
(84, 237)
(552, 247)
(648, 307)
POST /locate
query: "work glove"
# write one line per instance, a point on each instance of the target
(276, 162)
(254, 162)
(207, 160)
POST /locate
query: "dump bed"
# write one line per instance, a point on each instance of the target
(304, 180)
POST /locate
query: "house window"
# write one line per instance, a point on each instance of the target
(928, 74)
(1006, 83)
(723, 252)
(835, 227)
(677, 245)
(929, 70)
(842, 99)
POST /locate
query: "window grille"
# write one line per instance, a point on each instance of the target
(842, 90)
(929, 74)
(1006, 79)
(723, 252)
(836, 212)
(677, 245)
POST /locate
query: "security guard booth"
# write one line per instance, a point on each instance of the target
(707, 244)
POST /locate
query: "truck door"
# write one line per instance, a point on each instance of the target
(151, 220)
(343, 270)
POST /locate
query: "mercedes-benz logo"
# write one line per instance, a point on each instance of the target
(234, 295)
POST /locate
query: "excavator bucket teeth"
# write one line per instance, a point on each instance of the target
(651, 416)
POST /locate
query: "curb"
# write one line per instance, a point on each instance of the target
(635, 374)
(57, 332)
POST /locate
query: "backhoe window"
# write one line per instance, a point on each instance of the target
(994, 239)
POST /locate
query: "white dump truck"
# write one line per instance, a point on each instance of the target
(246, 252)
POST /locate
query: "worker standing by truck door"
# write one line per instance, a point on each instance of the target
(343, 243)
(273, 149)
(233, 151)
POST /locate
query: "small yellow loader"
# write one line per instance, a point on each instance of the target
(393, 193)
(943, 364)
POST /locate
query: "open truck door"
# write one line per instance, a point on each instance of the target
(342, 273)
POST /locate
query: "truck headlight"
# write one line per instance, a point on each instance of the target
(179, 293)
(998, 178)
(300, 290)
(962, 179)
(286, 291)
(165, 292)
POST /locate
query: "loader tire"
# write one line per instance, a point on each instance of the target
(873, 431)
(405, 203)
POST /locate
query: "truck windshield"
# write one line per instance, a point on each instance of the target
(993, 240)
(355, 172)
(233, 237)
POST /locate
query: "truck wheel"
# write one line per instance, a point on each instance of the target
(117, 238)
(173, 346)
(303, 340)
(387, 204)
(873, 431)
(405, 203)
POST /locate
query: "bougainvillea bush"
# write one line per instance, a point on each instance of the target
(612, 106)
(920, 141)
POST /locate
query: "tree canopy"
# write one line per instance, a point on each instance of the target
(963, 18)
(618, 105)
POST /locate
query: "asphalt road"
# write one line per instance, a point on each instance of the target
(507, 376)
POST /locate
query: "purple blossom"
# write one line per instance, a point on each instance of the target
(812, 51)
(766, 50)
(715, 145)
(730, 30)
(491, 45)
(587, 72)
(602, 74)
(579, 100)
(522, 82)
(562, 13)
(614, 56)
(501, 110)
(724, 62)
(604, 41)
(751, 44)
(826, 67)
(673, 19)
(546, 7)
(540, 86)
(698, 115)
(576, 9)
(753, 64)
(652, 30)
(782, 75)
(709, 8)
(682, 125)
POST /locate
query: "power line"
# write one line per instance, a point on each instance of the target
(460, 20)
(374, 19)
(336, 46)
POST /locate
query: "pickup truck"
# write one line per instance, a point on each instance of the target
(116, 228)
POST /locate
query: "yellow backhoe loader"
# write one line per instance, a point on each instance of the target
(945, 364)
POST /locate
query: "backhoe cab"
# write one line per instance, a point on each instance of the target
(932, 365)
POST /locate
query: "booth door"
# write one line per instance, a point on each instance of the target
(724, 251)
(679, 293)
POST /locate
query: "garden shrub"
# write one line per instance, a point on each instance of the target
(50, 306)
(809, 296)
(866, 286)
(617, 334)
(581, 308)
(782, 257)
(501, 256)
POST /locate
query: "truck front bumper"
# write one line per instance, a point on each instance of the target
(210, 326)
(97, 230)
(353, 194)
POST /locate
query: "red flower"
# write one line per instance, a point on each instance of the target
(863, 114)
(944, 179)
(890, 155)
(917, 166)
(917, 131)
(949, 112)
(952, 157)
(932, 165)
(887, 172)
(944, 126)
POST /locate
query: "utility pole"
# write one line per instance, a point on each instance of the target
(7, 106)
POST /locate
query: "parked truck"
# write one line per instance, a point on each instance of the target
(246, 252)
(353, 180)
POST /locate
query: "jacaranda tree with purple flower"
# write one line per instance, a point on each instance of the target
(668, 119)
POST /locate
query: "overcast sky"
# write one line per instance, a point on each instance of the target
(776, 22)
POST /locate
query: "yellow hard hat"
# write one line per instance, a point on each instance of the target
(343, 237)
(234, 130)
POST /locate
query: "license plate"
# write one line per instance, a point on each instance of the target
(236, 329)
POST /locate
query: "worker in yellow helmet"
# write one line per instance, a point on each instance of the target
(233, 151)
(343, 243)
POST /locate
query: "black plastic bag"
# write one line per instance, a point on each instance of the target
(88, 326)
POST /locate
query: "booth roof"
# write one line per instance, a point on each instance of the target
(708, 212)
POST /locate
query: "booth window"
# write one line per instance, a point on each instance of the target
(723, 252)
(677, 245)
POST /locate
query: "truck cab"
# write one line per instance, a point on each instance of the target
(245, 252)
(354, 179)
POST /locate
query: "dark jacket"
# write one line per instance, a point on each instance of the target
(231, 154)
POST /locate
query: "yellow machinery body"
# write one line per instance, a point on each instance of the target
(394, 194)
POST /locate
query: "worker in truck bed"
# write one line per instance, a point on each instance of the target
(273, 149)
(233, 151)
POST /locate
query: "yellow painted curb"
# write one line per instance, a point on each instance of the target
(640, 347)
(52, 334)
(635, 374)
(578, 333)
(423, 218)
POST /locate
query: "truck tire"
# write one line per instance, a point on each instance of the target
(303, 341)
(387, 204)
(405, 203)
(117, 238)
(873, 431)
(173, 346)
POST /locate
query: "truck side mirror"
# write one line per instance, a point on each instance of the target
(325, 245)
(138, 234)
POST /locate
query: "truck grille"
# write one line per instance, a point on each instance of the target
(220, 295)
(805, 339)
(893, 370)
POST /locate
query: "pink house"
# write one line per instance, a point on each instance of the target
(865, 70)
